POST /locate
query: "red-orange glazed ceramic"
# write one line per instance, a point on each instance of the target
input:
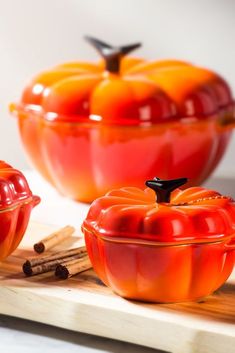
(16, 204)
(179, 247)
(90, 127)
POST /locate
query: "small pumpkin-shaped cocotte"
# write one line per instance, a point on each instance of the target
(88, 127)
(16, 204)
(179, 247)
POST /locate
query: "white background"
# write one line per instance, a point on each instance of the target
(35, 35)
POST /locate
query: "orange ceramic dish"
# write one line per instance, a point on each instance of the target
(180, 248)
(16, 204)
(89, 128)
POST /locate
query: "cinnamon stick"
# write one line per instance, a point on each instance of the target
(71, 268)
(57, 255)
(53, 239)
(48, 263)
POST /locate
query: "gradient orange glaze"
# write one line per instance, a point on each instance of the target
(83, 161)
(165, 252)
(160, 117)
(16, 203)
(87, 84)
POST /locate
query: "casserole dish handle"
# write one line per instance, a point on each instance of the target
(230, 245)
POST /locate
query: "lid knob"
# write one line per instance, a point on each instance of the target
(112, 55)
(164, 188)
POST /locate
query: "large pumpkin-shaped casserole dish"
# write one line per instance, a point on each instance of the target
(90, 127)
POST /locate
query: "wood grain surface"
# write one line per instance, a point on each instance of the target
(84, 304)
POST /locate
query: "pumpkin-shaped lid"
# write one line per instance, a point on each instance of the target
(14, 188)
(123, 90)
(177, 216)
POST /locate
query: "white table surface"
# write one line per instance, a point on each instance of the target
(21, 336)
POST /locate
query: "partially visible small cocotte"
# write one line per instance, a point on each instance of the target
(16, 204)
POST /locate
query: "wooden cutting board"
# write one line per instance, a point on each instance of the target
(84, 304)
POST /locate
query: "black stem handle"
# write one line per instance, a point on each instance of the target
(111, 54)
(164, 188)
